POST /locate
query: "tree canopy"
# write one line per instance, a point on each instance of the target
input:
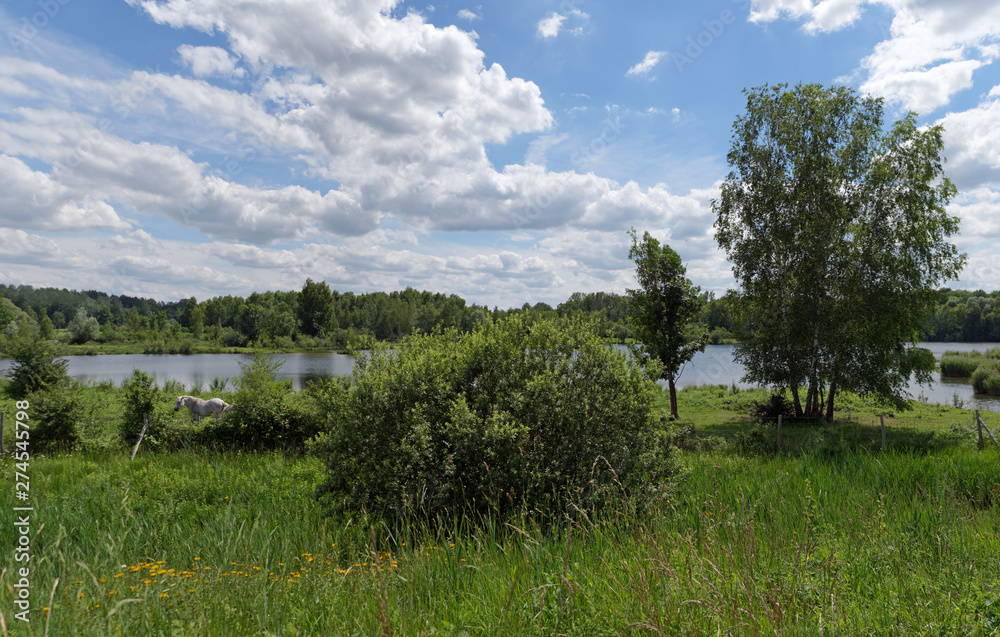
(838, 232)
(663, 306)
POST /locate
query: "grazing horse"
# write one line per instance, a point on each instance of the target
(199, 407)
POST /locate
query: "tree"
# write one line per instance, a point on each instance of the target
(662, 307)
(83, 328)
(35, 367)
(197, 321)
(837, 232)
(45, 327)
(315, 308)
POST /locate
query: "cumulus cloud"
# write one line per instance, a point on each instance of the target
(932, 49)
(826, 15)
(471, 16)
(647, 64)
(972, 142)
(209, 60)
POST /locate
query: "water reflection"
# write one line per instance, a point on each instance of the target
(714, 366)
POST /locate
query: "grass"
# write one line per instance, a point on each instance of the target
(982, 370)
(959, 366)
(986, 378)
(829, 537)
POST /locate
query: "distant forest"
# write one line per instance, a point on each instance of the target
(318, 317)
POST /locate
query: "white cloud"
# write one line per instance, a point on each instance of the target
(552, 25)
(647, 64)
(209, 60)
(549, 27)
(972, 144)
(471, 16)
(932, 49)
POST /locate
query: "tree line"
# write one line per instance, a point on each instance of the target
(317, 316)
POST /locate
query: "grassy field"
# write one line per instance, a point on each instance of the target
(829, 536)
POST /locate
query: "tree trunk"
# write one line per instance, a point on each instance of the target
(796, 402)
(673, 396)
(829, 407)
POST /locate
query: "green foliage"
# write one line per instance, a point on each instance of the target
(264, 414)
(140, 397)
(83, 328)
(959, 366)
(55, 416)
(35, 366)
(522, 415)
(837, 231)
(850, 545)
(662, 308)
(986, 378)
(45, 327)
(315, 308)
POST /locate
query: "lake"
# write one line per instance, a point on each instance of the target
(714, 366)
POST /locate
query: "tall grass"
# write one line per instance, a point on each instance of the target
(236, 544)
(986, 379)
(959, 366)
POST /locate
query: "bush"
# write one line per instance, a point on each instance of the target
(55, 419)
(959, 366)
(83, 328)
(539, 418)
(229, 337)
(265, 413)
(35, 367)
(775, 405)
(140, 397)
(986, 379)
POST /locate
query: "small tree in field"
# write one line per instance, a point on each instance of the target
(662, 308)
(838, 231)
(35, 367)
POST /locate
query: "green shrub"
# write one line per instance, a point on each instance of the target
(519, 416)
(265, 412)
(35, 367)
(83, 328)
(229, 337)
(959, 366)
(141, 395)
(986, 379)
(773, 406)
(55, 415)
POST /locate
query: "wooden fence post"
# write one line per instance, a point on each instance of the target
(988, 432)
(142, 433)
(881, 418)
(979, 426)
(779, 432)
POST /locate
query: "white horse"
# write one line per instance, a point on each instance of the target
(198, 407)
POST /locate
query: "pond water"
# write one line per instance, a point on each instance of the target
(714, 366)
(201, 369)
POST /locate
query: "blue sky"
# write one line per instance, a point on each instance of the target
(499, 151)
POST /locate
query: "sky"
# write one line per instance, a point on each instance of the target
(499, 151)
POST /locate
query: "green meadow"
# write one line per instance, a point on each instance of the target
(830, 535)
